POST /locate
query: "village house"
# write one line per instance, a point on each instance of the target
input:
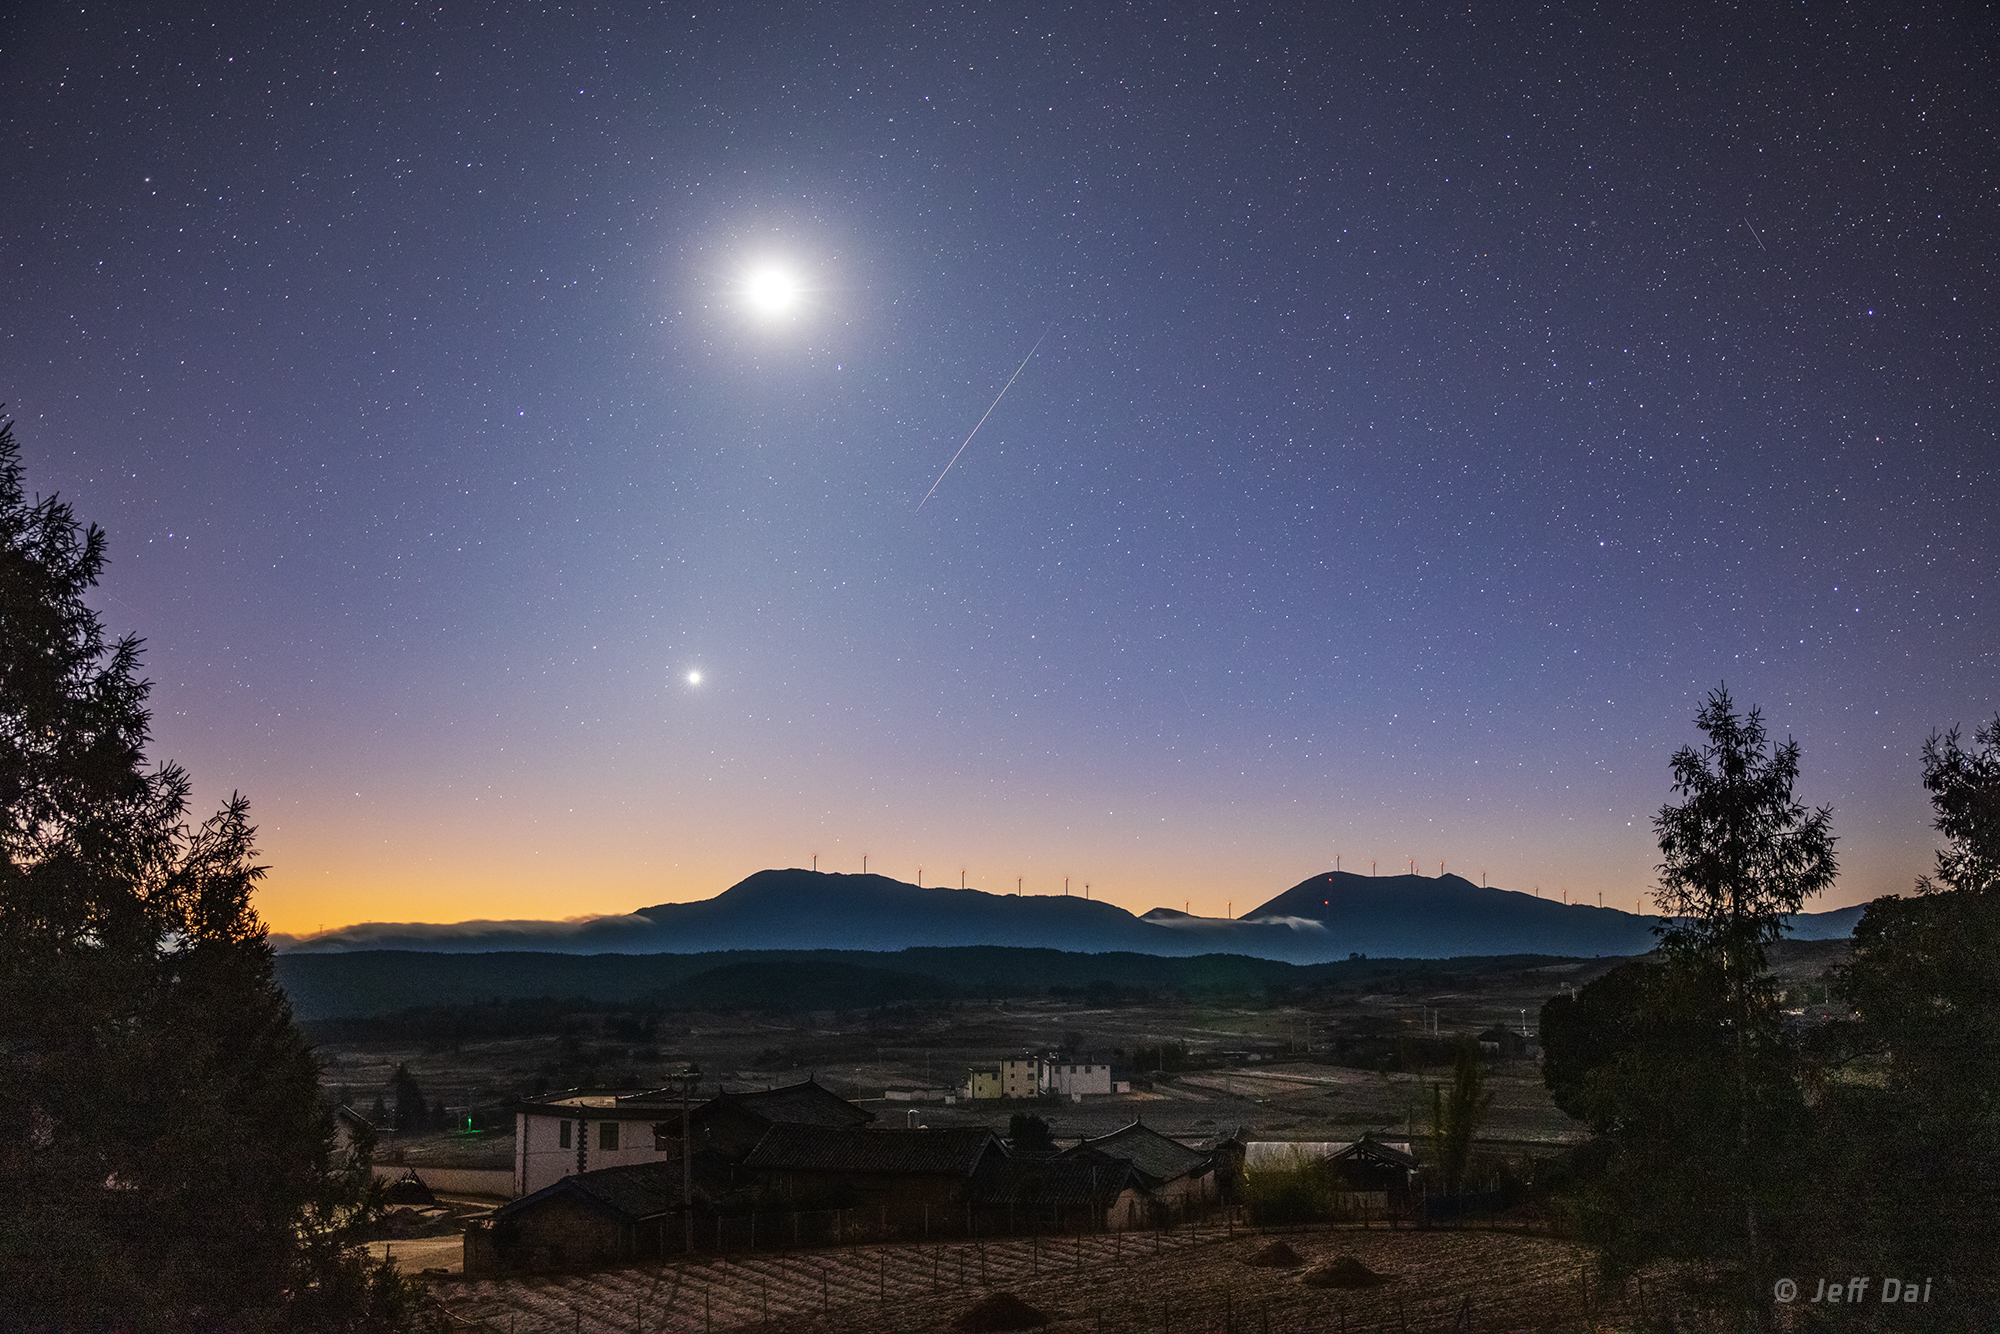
(605, 1216)
(1068, 1078)
(1020, 1077)
(581, 1131)
(1373, 1174)
(1377, 1169)
(820, 1167)
(982, 1082)
(732, 1124)
(1050, 1076)
(1169, 1174)
(1051, 1194)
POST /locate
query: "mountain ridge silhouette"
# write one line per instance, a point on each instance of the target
(1325, 917)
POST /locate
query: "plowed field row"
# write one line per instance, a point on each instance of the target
(1109, 1285)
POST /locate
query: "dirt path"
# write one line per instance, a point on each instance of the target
(413, 1255)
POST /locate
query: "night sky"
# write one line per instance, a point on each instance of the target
(1435, 403)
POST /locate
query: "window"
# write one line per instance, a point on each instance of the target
(607, 1134)
(562, 1134)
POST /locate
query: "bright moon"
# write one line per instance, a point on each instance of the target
(771, 292)
(694, 678)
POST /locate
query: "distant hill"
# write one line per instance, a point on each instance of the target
(1328, 917)
(1449, 915)
(790, 985)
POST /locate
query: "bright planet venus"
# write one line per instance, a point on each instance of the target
(1430, 407)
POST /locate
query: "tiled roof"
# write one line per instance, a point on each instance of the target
(1375, 1151)
(605, 1105)
(1070, 1182)
(802, 1104)
(1156, 1158)
(796, 1148)
(642, 1190)
(632, 1193)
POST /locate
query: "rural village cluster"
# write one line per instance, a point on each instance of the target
(606, 1177)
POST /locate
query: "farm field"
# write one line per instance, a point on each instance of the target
(1270, 1068)
(1129, 1284)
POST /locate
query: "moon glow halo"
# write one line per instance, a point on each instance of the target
(771, 292)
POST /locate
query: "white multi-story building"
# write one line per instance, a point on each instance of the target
(578, 1132)
(1074, 1079)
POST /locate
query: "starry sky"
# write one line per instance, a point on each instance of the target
(1431, 405)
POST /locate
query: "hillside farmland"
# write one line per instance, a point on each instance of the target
(1123, 1284)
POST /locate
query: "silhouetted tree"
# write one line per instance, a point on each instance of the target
(1922, 1127)
(1739, 855)
(1029, 1133)
(1456, 1115)
(165, 1160)
(1684, 1062)
(412, 1112)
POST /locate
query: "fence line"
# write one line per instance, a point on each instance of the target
(505, 1248)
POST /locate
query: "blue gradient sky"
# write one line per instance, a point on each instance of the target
(1432, 409)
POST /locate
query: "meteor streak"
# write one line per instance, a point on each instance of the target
(982, 421)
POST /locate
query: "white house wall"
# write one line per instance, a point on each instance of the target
(539, 1159)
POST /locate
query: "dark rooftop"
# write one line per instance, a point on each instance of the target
(1374, 1151)
(1069, 1182)
(806, 1103)
(1156, 1158)
(799, 1148)
(645, 1190)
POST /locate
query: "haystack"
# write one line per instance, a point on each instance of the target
(997, 1312)
(1276, 1256)
(1345, 1272)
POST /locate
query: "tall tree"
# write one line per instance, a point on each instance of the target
(412, 1112)
(1739, 855)
(1456, 1115)
(164, 1158)
(1683, 1061)
(1924, 983)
